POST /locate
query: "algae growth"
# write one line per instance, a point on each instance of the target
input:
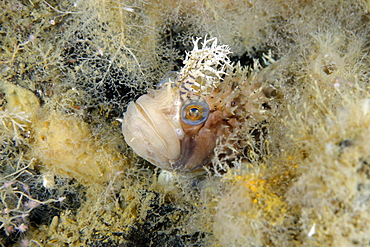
(299, 176)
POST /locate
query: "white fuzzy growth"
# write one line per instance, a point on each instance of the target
(14, 120)
(205, 66)
(15, 117)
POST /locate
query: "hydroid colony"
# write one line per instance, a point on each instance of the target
(294, 172)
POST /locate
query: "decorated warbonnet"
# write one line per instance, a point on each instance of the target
(176, 127)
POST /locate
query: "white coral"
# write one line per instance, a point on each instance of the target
(205, 66)
(15, 119)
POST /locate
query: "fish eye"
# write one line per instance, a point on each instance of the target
(194, 112)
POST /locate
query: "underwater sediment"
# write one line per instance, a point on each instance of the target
(289, 164)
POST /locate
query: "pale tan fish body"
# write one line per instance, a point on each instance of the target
(176, 126)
